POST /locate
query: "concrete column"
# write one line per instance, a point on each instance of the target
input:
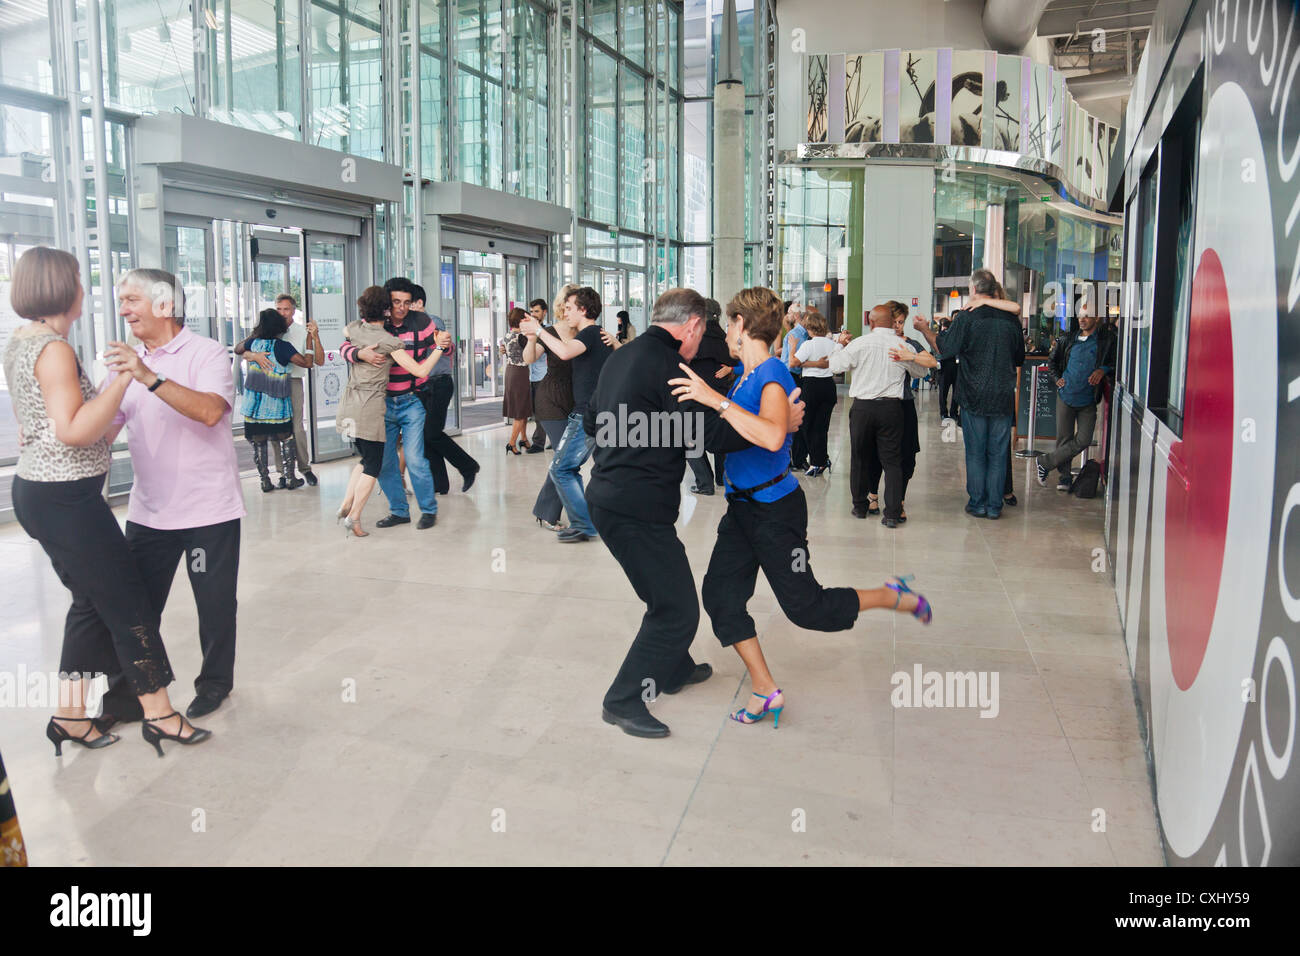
(728, 190)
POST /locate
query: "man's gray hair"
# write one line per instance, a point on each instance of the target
(677, 306)
(985, 282)
(163, 288)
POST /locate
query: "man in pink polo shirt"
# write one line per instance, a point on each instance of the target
(185, 499)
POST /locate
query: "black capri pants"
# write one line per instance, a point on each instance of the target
(372, 456)
(109, 628)
(772, 536)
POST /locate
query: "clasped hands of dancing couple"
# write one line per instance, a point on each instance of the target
(764, 527)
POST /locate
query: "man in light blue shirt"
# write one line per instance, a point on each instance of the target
(1081, 361)
(796, 337)
(537, 372)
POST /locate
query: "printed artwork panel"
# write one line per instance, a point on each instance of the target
(864, 104)
(917, 76)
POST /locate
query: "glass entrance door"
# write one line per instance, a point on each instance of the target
(329, 289)
(480, 312)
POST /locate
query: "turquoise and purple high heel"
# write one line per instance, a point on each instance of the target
(743, 716)
(923, 612)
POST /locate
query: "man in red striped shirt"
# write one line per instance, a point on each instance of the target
(404, 413)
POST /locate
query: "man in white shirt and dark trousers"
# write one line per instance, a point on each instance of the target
(876, 415)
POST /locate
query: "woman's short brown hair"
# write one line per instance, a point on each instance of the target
(516, 316)
(373, 303)
(896, 309)
(815, 323)
(761, 310)
(45, 283)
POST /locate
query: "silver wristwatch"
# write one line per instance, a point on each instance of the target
(723, 406)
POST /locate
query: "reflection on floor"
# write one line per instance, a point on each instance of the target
(425, 697)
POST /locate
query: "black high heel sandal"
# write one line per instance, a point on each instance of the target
(511, 449)
(152, 735)
(57, 734)
(873, 505)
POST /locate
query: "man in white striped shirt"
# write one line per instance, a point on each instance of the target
(876, 415)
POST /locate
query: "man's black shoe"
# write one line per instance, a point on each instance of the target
(426, 521)
(697, 490)
(701, 673)
(889, 522)
(311, 478)
(534, 449)
(284, 482)
(392, 520)
(203, 705)
(1010, 500)
(643, 726)
(975, 512)
(859, 513)
(569, 536)
(469, 479)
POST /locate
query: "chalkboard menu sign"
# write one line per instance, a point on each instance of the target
(1045, 422)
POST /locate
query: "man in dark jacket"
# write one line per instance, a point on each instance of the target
(712, 355)
(642, 435)
(1081, 361)
(989, 349)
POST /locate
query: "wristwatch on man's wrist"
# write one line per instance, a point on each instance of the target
(723, 406)
(157, 382)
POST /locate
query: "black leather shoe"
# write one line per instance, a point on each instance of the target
(311, 478)
(534, 449)
(697, 490)
(469, 479)
(202, 705)
(426, 521)
(859, 513)
(284, 482)
(701, 673)
(390, 521)
(975, 512)
(889, 522)
(569, 536)
(643, 726)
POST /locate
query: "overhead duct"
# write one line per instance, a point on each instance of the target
(1100, 86)
(1010, 24)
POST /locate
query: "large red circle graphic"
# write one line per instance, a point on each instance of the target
(1196, 517)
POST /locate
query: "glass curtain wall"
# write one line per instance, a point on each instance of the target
(629, 142)
(703, 35)
(1048, 251)
(312, 71)
(819, 238)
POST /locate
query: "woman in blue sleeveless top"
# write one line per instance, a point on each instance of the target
(268, 408)
(766, 524)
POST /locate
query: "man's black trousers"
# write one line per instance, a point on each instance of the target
(876, 429)
(439, 447)
(655, 563)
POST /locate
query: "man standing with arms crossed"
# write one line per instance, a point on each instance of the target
(1081, 361)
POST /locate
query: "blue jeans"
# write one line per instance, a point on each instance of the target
(574, 449)
(988, 437)
(404, 418)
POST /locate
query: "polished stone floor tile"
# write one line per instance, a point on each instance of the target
(433, 697)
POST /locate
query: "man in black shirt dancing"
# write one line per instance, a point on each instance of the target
(642, 435)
